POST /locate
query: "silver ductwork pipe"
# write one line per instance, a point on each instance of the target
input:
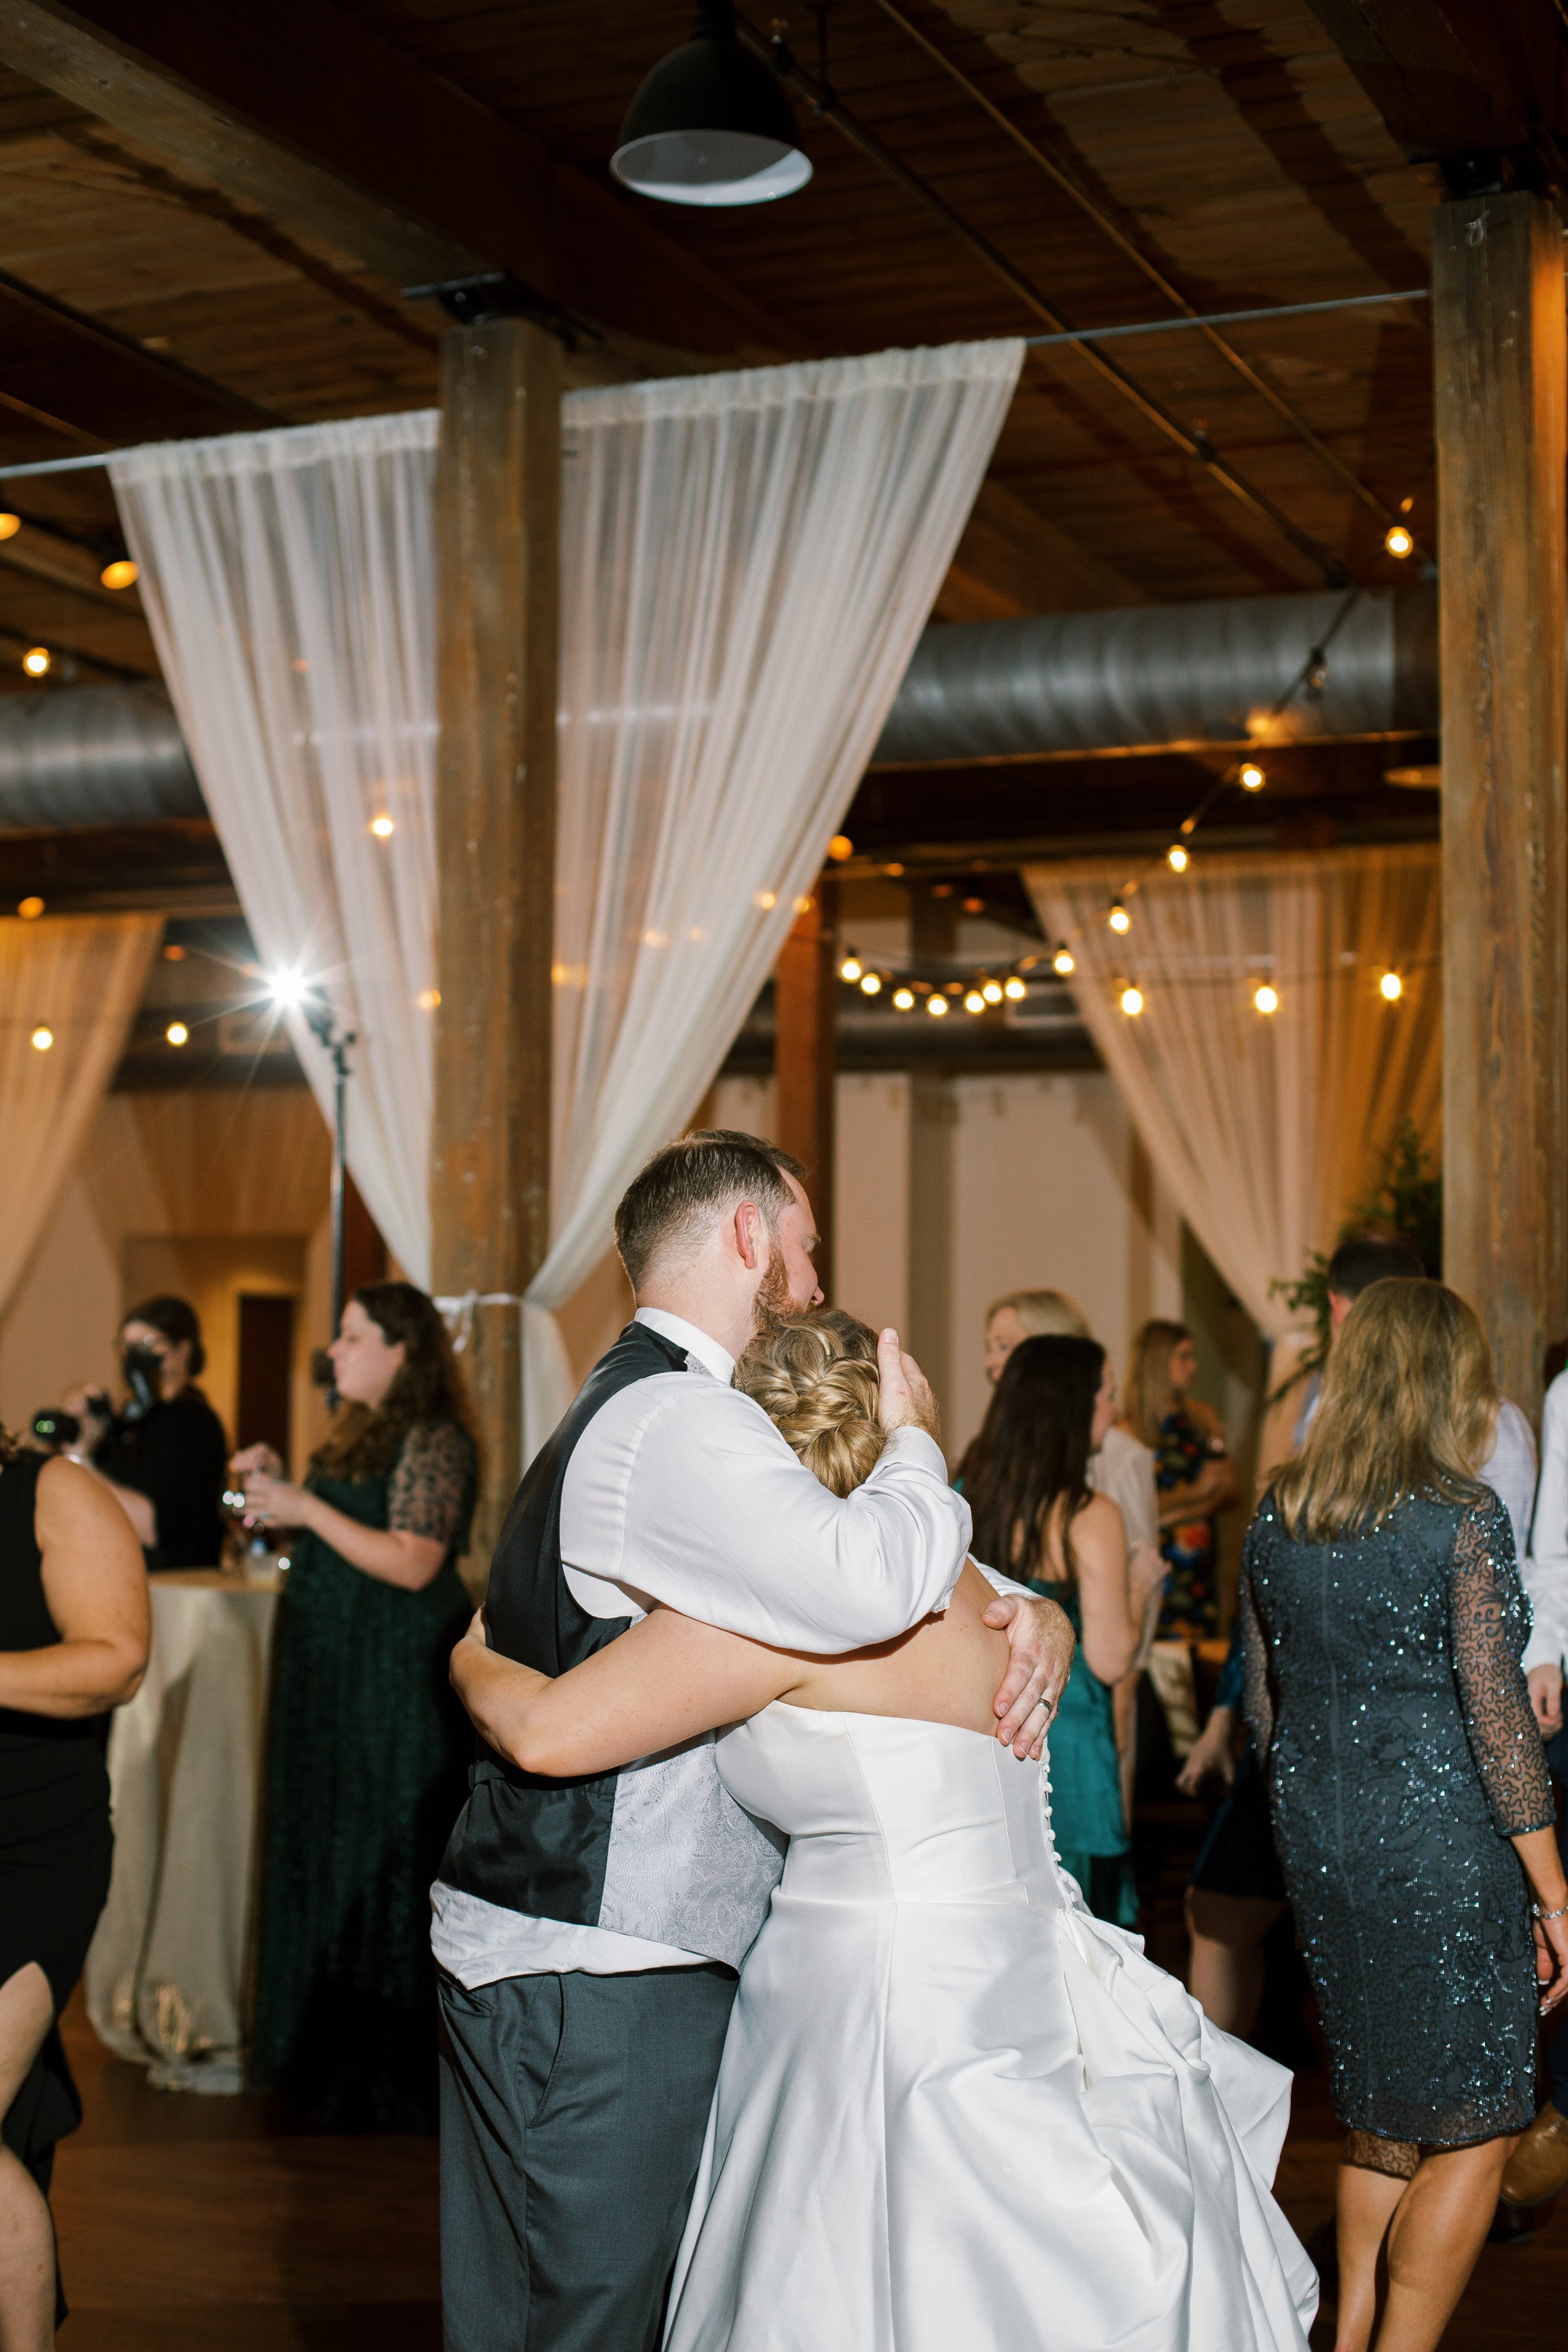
(77, 755)
(1142, 678)
(1163, 676)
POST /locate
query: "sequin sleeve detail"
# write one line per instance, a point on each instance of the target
(1489, 1622)
(1254, 1655)
(429, 1484)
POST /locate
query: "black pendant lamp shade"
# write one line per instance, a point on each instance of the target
(710, 124)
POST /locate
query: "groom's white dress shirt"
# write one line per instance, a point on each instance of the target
(681, 1490)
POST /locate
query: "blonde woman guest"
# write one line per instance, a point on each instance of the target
(1193, 1472)
(1120, 1467)
(922, 2127)
(1384, 1621)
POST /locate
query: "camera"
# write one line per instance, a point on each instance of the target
(54, 1430)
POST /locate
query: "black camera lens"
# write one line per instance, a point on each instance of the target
(53, 1428)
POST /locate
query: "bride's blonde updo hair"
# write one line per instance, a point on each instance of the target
(816, 1376)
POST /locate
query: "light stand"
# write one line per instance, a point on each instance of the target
(323, 1026)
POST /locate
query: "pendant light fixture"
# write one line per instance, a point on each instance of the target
(710, 124)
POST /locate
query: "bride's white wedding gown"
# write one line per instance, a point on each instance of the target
(957, 2113)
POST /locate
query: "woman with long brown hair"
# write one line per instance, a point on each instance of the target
(368, 1756)
(1382, 1622)
(1025, 1478)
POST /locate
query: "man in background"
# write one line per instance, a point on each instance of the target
(1537, 2169)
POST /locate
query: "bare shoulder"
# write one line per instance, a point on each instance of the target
(73, 1500)
(1100, 1533)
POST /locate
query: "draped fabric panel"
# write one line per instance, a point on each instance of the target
(289, 582)
(747, 562)
(1267, 1128)
(80, 977)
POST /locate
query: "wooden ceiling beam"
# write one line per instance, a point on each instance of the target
(1457, 77)
(292, 107)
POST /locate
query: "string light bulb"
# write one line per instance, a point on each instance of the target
(973, 1001)
(904, 998)
(840, 847)
(428, 999)
(10, 524)
(383, 827)
(1267, 998)
(1177, 858)
(1015, 990)
(1063, 961)
(121, 573)
(936, 1006)
(850, 968)
(1119, 918)
(43, 1038)
(870, 983)
(991, 991)
(30, 908)
(1393, 987)
(1252, 778)
(177, 1034)
(36, 661)
(1398, 540)
(1131, 1002)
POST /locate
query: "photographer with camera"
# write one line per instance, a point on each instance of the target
(164, 1452)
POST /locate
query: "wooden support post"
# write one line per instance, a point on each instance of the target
(1500, 361)
(497, 525)
(806, 1022)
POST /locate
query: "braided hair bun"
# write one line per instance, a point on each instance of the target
(816, 1376)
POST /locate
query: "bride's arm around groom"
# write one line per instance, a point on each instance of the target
(587, 1931)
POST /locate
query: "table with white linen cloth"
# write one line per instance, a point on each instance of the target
(167, 1972)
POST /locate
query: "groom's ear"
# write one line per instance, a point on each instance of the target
(750, 1228)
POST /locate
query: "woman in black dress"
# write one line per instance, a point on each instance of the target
(73, 1642)
(1382, 1622)
(368, 1750)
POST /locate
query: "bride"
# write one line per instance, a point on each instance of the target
(930, 1997)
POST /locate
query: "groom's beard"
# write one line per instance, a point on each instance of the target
(772, 1305)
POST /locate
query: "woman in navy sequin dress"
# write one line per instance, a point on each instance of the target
(1382, 1623)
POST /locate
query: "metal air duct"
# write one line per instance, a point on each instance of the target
(1162, 676)
(80, 755)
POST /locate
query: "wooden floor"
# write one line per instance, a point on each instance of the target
(205, 2225)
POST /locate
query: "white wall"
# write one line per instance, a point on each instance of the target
(1047, 1186)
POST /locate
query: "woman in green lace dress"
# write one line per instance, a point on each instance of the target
(1035, 1517)
(368, 1750)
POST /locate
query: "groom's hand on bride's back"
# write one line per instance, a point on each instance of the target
(905, 1401)
(1040, 1642)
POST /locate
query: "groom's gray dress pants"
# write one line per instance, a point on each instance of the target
(573, 2114)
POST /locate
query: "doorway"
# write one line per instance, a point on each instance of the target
(262, 1414)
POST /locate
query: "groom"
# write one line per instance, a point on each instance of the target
(589, 1932)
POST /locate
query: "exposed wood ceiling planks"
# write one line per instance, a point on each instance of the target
(195, 181)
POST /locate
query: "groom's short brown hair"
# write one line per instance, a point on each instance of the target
(689, 1178)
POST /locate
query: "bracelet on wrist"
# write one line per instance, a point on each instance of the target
(1560, 1912)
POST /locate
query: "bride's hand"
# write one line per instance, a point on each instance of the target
(904, 1400)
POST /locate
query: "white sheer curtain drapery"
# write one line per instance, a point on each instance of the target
(79, 979)
(747, 562)
(1266, 1126)
(289, 579)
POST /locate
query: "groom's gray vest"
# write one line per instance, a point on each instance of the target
(659, 1851)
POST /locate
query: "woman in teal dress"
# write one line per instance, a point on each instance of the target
(1035, 1517)
(368, 1748)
